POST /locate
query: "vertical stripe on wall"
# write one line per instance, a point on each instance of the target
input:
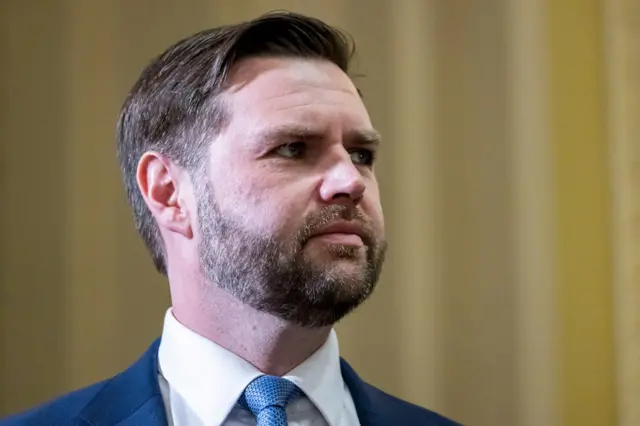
(533, 193)
(623, 87)
(33, 91)
(583, 239)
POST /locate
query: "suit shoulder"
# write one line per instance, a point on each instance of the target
(404, 412)
(61, 411)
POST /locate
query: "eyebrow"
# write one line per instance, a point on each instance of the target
(306, 133)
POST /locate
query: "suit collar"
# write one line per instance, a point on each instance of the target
(132, 397)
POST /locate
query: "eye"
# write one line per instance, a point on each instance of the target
(363, 157)
(292, 150)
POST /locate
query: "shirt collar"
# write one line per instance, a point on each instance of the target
(321, 380)
(211, 378)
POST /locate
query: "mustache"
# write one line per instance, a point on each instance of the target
(339, 212)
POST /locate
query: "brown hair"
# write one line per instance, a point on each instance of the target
(173, 108)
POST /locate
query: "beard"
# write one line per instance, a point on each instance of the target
(276, 275)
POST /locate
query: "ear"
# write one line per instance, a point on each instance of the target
(159, 181)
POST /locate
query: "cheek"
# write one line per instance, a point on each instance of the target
(264, 205)
(372, 207)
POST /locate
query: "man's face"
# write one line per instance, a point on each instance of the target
(289, 213)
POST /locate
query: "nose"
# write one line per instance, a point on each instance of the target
(343, 179)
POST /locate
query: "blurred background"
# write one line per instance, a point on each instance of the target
(510, 177)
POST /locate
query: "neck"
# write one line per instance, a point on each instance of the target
(272, 345)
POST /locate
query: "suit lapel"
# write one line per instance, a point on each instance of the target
(131, 398)
(367, 413)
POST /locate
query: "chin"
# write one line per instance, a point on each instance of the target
(342, 268)
(338, 252)
(347, 274)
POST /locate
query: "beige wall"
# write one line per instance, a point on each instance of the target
(496, 306)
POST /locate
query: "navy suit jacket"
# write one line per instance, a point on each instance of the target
(133, 398)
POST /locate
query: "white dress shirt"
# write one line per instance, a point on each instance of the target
(201, 382)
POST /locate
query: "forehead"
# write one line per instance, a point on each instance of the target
(263, 92)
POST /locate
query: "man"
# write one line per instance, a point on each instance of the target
(247, 155)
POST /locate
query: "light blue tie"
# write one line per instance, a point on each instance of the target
(267, 398)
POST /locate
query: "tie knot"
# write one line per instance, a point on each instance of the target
(269, 391)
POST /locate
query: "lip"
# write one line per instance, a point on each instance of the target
(344, 228)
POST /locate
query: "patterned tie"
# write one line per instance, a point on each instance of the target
(267, 398)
